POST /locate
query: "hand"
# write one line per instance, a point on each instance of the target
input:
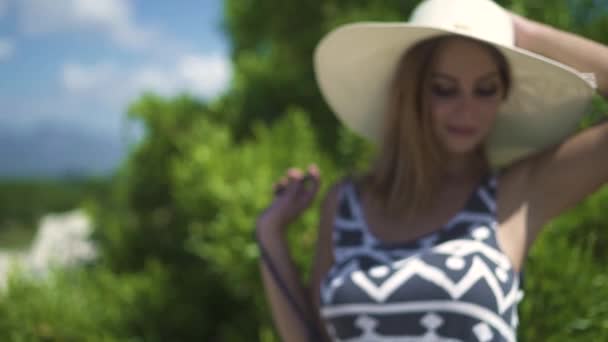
(292, 195)
(522, 27)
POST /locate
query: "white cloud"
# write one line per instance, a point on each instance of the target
(205, 76)
(97, 95)
(78, 78)
(6, 49)
(112, 17)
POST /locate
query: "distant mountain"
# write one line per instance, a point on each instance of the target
(54, 150)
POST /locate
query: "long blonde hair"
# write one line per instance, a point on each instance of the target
(406, 175)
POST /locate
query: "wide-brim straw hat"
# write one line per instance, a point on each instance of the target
(354, 66)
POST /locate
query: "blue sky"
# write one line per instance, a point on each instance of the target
(78, 63)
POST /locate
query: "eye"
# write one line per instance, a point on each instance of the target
(443, 91)
(487, 91)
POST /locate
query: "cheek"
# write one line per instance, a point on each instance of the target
(442, 110)
(489, 112)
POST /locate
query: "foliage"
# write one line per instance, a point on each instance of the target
(566, 283)
(23, 202)
(84, 305)
(188, 198)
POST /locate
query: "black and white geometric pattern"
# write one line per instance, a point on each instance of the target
(451, 285)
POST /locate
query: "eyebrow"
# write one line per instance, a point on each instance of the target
(454, 79)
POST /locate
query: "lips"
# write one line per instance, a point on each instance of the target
(462, 130)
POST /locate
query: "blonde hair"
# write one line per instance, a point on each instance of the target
(406, 175)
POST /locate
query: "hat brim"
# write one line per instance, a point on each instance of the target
(355, 64)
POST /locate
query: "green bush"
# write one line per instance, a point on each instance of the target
(190, 201)
(84, 305)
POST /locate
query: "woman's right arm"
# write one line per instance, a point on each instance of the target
(271, 229)
(287, 321)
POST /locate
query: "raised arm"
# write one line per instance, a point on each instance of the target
(284, 288)
(558, 178)
(580, 53)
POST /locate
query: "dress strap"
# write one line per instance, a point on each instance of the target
(348, 214)
(486, 192)
(350, 235)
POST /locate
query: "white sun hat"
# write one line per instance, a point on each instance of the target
(354, 66)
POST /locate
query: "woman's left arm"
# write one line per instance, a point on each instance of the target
(560, 177)
(580, 53)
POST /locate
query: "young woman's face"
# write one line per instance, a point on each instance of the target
(465, 91)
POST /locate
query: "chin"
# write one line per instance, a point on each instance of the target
(462, 152)
(460, 146)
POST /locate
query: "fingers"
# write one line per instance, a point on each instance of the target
(295, 181)
(311, 180)
(279, 187)
(313, 170)
(294, 176)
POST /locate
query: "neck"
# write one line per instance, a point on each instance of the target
(460, 167)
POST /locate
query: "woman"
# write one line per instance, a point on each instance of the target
(428, 244)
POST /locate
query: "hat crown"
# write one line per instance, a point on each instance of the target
(480, 19)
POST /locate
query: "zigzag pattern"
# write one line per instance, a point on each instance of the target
(463, 248)
(456, 262)
(416, 267)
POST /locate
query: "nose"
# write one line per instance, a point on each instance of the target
(467, 108)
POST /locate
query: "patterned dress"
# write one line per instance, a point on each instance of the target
(454, 284)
